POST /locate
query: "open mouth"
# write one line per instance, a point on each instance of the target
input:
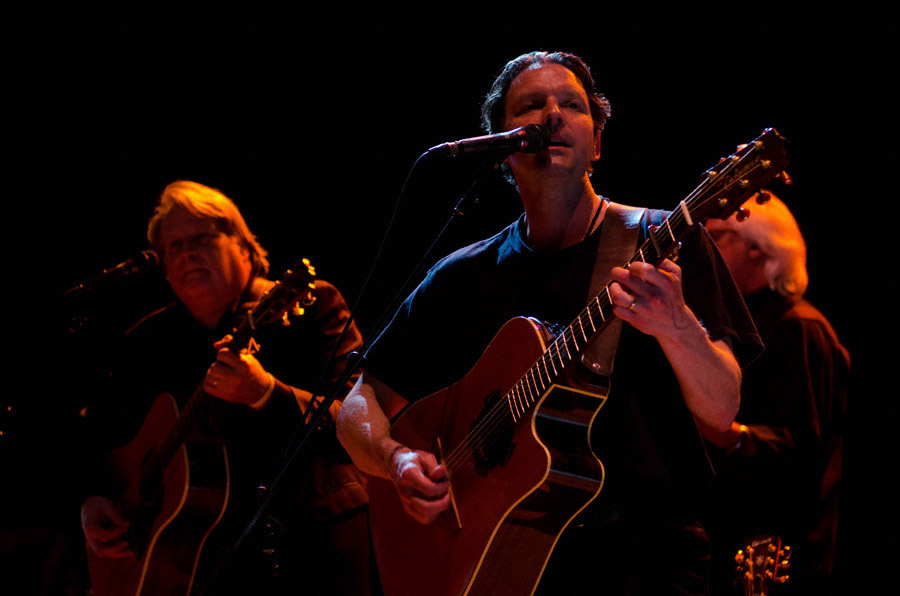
(191, 273)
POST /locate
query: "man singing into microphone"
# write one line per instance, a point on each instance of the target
(676, 365)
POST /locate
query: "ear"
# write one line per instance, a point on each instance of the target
(756, 256)
(596, 154)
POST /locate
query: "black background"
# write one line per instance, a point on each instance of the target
(311, 121)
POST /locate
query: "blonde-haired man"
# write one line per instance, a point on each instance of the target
(314, 535)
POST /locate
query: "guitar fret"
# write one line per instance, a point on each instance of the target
(537, 380)
(562, 361)
(566, 344)
(591, 320)
(512, 407)
(552, 365)
(537, 375)
(574, 341)
(600, 308)
(517, 393)
(514, 399)
(529, 391)
(550, 350)
(581, 325)
(547, 374)
(686, 212)
(669, 227)
(533, 392)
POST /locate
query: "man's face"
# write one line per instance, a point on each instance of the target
(745, 262)
(206, 268)
(550, 94)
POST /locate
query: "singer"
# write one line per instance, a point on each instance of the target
(640, 535)
(313, 537)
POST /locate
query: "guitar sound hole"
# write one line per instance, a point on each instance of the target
(495, 445)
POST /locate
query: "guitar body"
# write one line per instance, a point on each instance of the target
(511, 499)
(172, 519)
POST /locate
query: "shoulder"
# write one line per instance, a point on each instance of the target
(328, 293)
(805, 319)
(162, 317)
(479, 258)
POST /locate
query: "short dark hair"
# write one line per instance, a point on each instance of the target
(494, 106)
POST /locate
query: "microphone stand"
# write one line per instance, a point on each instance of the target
(355, 359)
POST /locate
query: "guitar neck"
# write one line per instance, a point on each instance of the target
(197, 406)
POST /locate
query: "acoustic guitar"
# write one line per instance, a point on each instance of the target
(175, 488)
(514, 432)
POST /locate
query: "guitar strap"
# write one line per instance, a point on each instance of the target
(618, 242)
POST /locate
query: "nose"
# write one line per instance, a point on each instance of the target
(552, 116)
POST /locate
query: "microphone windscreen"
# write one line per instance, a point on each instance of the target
(537, 137)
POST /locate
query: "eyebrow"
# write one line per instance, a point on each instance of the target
(565, 94)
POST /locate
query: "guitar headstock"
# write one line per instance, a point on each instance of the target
(762, 563)
(291, 295)
(725, 187)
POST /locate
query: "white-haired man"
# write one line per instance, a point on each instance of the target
(779, 465)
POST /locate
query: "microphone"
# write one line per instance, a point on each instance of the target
(143, 262)
(525, 139)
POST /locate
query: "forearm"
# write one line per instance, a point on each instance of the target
(365, 430)
(651, 300)
(708, 373)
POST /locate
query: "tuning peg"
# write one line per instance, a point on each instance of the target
(285, 320)
(742, 214)
(785, 177)
(312, 270)
(763, 197)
